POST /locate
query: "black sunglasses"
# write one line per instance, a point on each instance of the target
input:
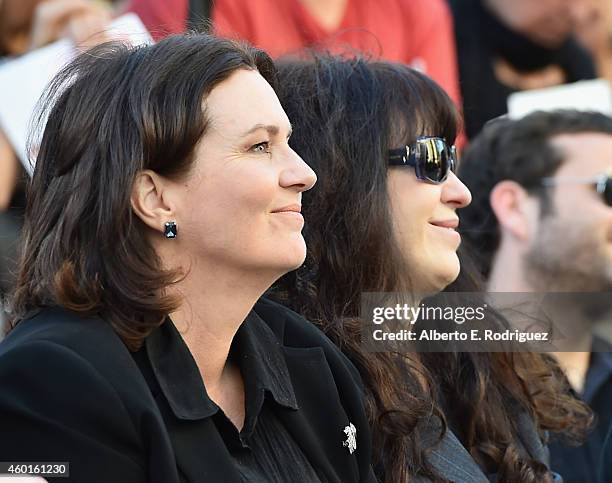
(602, 183)
(431, 158)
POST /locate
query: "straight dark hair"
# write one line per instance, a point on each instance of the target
(347, 114)
(112, 112)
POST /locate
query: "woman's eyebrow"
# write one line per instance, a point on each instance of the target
(272, 129)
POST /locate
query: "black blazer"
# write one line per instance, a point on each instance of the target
(71, 391)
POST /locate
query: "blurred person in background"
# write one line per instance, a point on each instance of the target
(26, 25)
(380, 223)
(415, 32)
(508, 46)
(12, 204)
(541, 222)
(167, 17)
(595, 33)
(164, 202)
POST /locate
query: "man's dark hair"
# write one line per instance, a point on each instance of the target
(520, 151)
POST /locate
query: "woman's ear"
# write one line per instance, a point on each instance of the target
(514, 209)
(150, 200)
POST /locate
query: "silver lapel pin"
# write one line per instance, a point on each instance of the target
(351, 441)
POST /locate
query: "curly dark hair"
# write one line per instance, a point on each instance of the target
(520, 151)
(347, 114)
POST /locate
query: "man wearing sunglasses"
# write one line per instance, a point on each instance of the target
(541, 221)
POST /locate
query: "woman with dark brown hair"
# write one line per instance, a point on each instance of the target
(164, 202)
(382, 219)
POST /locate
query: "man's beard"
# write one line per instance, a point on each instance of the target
(570, 260)
(565, 258)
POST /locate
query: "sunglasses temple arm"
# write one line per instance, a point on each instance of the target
(397, 157)
(573, 180)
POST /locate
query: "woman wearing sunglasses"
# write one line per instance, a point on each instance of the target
(383, 218)
(165, 201)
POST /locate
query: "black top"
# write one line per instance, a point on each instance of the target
(481, 38)
(72, 392)
(585, 464)
(263, 450)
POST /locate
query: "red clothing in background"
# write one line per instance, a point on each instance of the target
(161, 17)
(415, 32)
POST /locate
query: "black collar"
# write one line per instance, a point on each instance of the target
(255, 348)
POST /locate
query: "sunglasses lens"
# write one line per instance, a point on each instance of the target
(608, 192)
(434, 159)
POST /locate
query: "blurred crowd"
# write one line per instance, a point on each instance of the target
(480, 52)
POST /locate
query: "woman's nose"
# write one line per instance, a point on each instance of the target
(455, 192)
(298, 174)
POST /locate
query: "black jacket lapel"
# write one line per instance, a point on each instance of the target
(319, 433)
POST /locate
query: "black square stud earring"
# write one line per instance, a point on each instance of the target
(170, 230)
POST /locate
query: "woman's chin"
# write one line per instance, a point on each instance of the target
(292, 255)
(453, 273)
(447, 271)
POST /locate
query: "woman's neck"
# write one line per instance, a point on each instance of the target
(215, 302)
